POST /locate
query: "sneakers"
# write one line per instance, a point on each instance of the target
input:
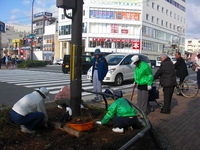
(25, 130)
(97, 99)
(118, 130)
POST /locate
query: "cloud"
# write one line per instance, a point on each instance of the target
(193, 20)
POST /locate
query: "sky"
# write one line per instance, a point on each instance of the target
(19, 12)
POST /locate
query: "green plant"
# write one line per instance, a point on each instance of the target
(32, 63)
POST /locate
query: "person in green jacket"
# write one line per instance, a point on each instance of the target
(143, 77)
(123, 115)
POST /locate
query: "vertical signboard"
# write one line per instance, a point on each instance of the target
(136, 45)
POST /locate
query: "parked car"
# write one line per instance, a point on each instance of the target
(153, 63)
(120, 68)
(58, 62)
(86, 63)
(189, 64)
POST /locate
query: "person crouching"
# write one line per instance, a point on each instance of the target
(123, 115)
(29, 111)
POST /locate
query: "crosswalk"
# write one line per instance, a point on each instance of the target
(51, 80)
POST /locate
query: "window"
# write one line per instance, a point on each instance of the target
(167, 11)
(147, 3)
(152, 19)
(147, 16)
(158, 8)
(170, 14)
(153, 5)
(162, 22)
(166, 24)
(162, 9)
(174, 15)
(158, 20)
(63, 17)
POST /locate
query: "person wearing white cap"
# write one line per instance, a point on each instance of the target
(29, 111)
(143, 77)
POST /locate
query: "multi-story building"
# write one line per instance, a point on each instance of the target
(40, 20)
(192, 45)
(13, 36)
(128, 26)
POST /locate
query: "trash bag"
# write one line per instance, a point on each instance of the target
(63, 96)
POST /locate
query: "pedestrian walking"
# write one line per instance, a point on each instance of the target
(122, 114)
(99, 71)
(7, 60)
(143, 77)
(180, 67)
(29, 111)
(166, 73)
(197, 62)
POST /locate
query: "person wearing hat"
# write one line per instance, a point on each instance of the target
(99, 71)
(123, 115)
(143, 77)
(29, 111)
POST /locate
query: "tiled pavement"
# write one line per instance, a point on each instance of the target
(181, 128)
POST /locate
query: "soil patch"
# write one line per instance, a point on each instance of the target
(98, 138)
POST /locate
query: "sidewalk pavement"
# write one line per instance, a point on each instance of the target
(179, 130)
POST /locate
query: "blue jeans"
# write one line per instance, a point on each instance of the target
(30, 121)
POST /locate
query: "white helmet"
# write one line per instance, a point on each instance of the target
(135, 58)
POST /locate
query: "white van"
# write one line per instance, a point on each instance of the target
(120, 68)
(158, 61)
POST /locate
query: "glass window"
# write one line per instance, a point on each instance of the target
(147, 16)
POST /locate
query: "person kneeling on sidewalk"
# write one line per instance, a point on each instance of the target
(123, 115)
(30, 112)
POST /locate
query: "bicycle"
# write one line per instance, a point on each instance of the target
(188, 88)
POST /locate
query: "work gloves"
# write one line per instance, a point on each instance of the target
(149, 87)
(98, 122)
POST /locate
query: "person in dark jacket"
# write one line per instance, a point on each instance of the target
(166, 73)
(180, 67)
(99, 71)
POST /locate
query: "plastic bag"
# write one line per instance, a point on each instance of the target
(195, 68)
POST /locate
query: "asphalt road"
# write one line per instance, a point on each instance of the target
(10, 93)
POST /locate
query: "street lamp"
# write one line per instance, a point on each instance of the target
(32, 30)
(140, 38)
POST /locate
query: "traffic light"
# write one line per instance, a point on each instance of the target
(66, 4)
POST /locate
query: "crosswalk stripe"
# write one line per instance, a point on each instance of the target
(51, 80)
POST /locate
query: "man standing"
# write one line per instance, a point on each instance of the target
(29, 111)
(143, 78)
(99, 71)
(166, 73)
(180, 67)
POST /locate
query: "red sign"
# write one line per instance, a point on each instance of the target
(136, 45)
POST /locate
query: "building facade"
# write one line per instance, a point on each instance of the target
(128, 26)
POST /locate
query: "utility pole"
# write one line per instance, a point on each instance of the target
(75, 52)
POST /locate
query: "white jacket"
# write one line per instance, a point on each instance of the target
(32, 102)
